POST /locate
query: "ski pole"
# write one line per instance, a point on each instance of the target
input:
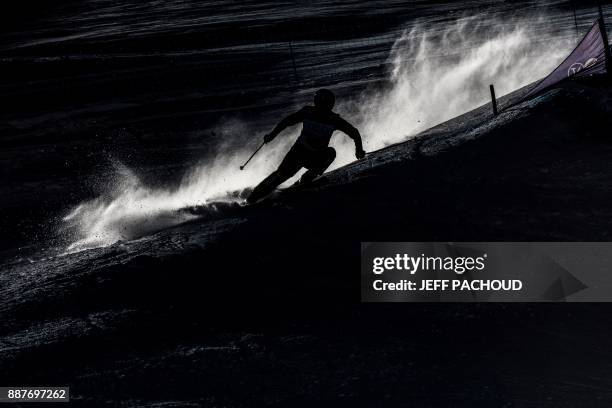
(254, 153)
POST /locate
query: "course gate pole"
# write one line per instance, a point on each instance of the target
(493, 100)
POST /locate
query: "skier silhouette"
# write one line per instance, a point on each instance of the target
(311, 149)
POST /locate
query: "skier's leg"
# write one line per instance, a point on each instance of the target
(290, 165)
(266, 186)
(319, 165)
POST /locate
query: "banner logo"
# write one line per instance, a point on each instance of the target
(576, 67)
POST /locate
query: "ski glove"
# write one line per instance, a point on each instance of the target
(360, 154)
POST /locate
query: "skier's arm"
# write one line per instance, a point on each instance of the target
(290, 120)
(352, 132)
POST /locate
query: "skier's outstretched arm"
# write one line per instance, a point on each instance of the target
(290, 120)
(352, 132)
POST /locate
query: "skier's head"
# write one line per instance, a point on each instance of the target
(324, 99)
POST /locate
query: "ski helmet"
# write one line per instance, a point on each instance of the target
(324, 98)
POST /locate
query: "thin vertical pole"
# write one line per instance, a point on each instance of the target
(493, 99)
(292, 59)
(575, 20)
(604, 35)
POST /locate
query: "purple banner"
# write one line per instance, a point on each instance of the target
(588, 58)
